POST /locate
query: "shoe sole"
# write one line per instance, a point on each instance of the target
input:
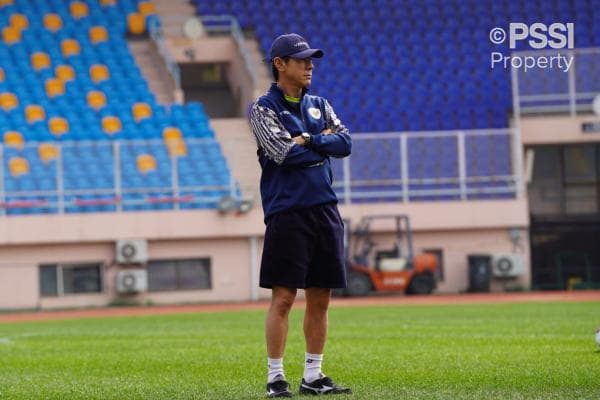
(309, 392)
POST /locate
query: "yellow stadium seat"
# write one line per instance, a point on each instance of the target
(34, 113)
(2, 75)
(108, 2)
(40, 60)
(111, 125)
(99, 73)
(98, 34)
(141, 111)
(146, 163)
(146, 8)
(11, 35)
(18, 166)
(8, 101)
(69, 47)
(47, 152)
(4, 3)
(136, 23)
(58, 126)
(14, 139)
(78, 9)
(171, 132)
(176, 147)
(52, 22)
(19, 21)
(55, 87)
(96, 99)
(64, 72)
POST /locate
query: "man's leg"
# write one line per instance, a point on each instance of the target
(315, 333)
(276, 328)
(315, 319)
(315, 330)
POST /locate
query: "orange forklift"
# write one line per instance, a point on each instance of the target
(396, 269)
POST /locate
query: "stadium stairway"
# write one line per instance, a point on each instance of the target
(153, 69)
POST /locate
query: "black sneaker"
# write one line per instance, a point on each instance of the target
(278, 387)
(324, 385)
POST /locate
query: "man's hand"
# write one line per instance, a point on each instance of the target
(300, 140)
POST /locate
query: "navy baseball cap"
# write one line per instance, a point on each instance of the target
(293, 45)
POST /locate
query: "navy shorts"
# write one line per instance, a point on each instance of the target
(304, 248)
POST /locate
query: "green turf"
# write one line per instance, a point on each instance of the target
(501, 351)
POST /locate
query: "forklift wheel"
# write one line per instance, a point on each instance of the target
(358, 284)
(421, 284)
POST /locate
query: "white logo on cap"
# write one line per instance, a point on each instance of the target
(314, 112)
(301, 44)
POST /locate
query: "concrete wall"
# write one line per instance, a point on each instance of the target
(219, 50)
(556, 129)
(233, 242)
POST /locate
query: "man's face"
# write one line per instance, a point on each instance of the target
(297, 71)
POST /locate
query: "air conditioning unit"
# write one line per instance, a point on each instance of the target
(131, 251)
(507, 265)
(132, 281)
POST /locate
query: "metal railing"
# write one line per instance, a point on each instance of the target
(156, 35)
(437, 165)
(67, 184)
(557, 89)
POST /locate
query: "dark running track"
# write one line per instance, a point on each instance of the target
(387, 300)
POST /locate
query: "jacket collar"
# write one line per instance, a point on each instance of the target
(279, 93)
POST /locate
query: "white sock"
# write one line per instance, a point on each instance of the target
(312, 367)
(275, 368)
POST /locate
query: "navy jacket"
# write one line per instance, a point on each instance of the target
(296, 176)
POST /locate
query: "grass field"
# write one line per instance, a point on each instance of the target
(498, 351)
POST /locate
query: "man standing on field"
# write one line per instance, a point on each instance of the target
(296, 134)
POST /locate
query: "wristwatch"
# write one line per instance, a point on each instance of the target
(307, 137)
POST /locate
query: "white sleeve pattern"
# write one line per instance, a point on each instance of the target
(270, 134)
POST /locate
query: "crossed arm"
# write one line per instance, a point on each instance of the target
(279, 146)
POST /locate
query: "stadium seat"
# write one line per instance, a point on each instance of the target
(70, 47)
(171, 133)
(19, 21)
(58, 126)
(47, 152)
(14, 139)
(78, 9)
(146, 163)
(111, 125)
(96, 99)
(64, 72)
(34, 113)
(146, 8)
(11, 35)
(4, 3)
(40, 60)
(98, 34)
(54, 87)
(141, 111)
(68, 75)
(53, 22)
(176, 147)
(136, 23)
(18, 166)
(8, 101)
(99, 73)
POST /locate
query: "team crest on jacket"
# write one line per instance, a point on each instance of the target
(314, 112)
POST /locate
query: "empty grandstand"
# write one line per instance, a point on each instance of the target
(124, 126)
